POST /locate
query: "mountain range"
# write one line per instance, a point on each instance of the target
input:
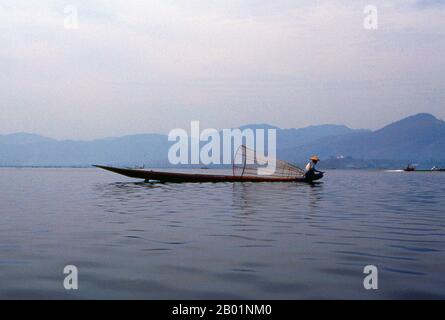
(416, 139)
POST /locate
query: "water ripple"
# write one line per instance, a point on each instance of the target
(230, 240)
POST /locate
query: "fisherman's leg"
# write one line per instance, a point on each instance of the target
(309, 175)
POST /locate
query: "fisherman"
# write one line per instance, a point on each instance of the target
(310, 170)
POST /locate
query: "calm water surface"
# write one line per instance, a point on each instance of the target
(227, 240)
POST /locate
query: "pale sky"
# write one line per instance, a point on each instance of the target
(152, 66)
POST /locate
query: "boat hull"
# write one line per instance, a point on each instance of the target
(191, 177)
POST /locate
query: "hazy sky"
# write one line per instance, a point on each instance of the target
(151, 66)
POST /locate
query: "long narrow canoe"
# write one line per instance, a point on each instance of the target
(194, 177)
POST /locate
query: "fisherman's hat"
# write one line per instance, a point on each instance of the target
(314, 158)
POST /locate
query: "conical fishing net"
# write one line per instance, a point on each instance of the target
(248, 163)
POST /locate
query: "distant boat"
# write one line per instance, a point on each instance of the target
(409, 168)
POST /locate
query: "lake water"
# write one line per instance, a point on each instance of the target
(229, 240)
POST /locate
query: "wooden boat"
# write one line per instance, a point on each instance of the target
(245, 168)
(409, 168)
(148, 175)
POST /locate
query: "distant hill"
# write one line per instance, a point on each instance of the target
(144, 149)
(419, 138)
(127, 150)
(297, 137)
(23, 138)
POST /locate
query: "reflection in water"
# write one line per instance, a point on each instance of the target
(315, 198)
(222, 240)
(247, 196)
